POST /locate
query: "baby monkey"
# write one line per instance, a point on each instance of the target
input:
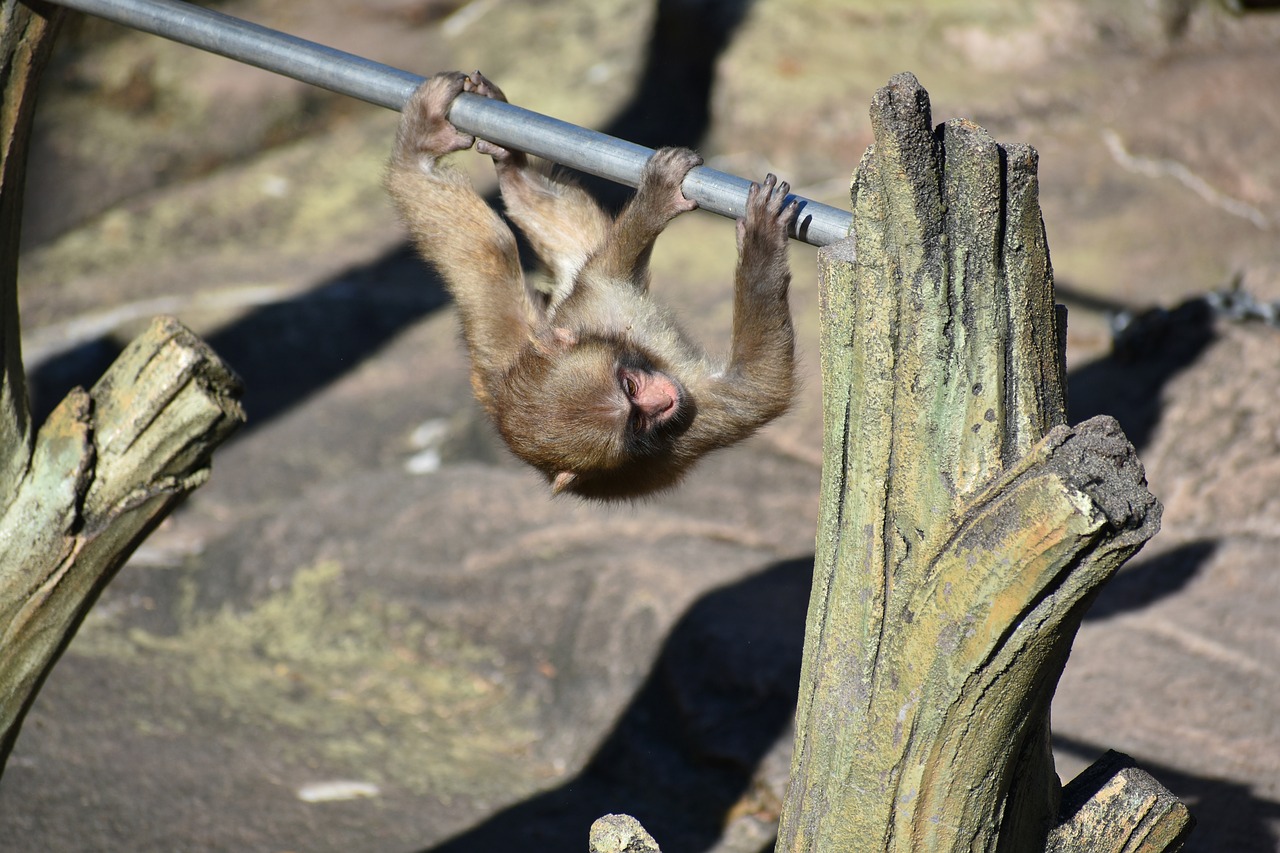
(593, 383)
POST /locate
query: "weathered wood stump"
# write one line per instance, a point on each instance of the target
(964, 527)
(108, 465)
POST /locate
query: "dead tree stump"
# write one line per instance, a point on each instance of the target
(964, 527)
(78, 497)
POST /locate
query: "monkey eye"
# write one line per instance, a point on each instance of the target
(629, 385)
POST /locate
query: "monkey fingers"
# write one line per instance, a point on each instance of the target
(783, 212)
(764, 228)
(661, 179)
(767, 199)
(477, 84)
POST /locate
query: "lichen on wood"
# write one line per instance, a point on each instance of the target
(1101, 807)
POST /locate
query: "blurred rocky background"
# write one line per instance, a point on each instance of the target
(372, 631)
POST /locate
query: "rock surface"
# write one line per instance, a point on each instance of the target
(373, 631)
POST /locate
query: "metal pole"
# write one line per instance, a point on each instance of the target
(504, 124)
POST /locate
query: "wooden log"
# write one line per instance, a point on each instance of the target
(26, 37)
(106, 468)
(964, 527)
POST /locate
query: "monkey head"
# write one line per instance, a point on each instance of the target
(595, 415)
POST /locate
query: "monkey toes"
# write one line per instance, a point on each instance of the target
(483, 86)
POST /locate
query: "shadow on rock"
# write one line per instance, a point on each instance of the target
(288, 350)
(672, 101)
(1149, 351)
(1151, 580)
(1229, 816)
(721, 693)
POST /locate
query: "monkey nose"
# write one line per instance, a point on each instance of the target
(660, 405)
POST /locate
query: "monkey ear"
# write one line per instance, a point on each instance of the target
(557, 340)
(562, 481)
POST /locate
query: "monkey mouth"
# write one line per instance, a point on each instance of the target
(656, 436)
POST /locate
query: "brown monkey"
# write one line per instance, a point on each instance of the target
(593, 384)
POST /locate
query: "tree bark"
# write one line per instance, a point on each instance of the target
(1101, 807)
(26, 37)
(964, 527)
(110, 463)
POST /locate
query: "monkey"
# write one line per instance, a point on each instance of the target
(593, 383)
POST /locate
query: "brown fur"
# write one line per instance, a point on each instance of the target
(581, 382)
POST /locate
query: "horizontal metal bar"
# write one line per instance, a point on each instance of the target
(505, 124)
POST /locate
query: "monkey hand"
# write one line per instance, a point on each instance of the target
(762, 234)
(425, 129)
(661, 179)
(478, 84)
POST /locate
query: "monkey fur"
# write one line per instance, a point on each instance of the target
(593, 384)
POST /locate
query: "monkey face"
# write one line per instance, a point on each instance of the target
(655, 401)
(597, 409)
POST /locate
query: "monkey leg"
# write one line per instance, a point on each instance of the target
(562, 222)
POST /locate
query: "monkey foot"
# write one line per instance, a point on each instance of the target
(477, 84)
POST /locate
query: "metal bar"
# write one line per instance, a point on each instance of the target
(505, 124)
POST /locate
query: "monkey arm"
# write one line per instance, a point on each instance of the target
(759, 380)
(470, 246)
(658, 200)
(758, 383)
(763, 349)
(474, 252)
(763, 352)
